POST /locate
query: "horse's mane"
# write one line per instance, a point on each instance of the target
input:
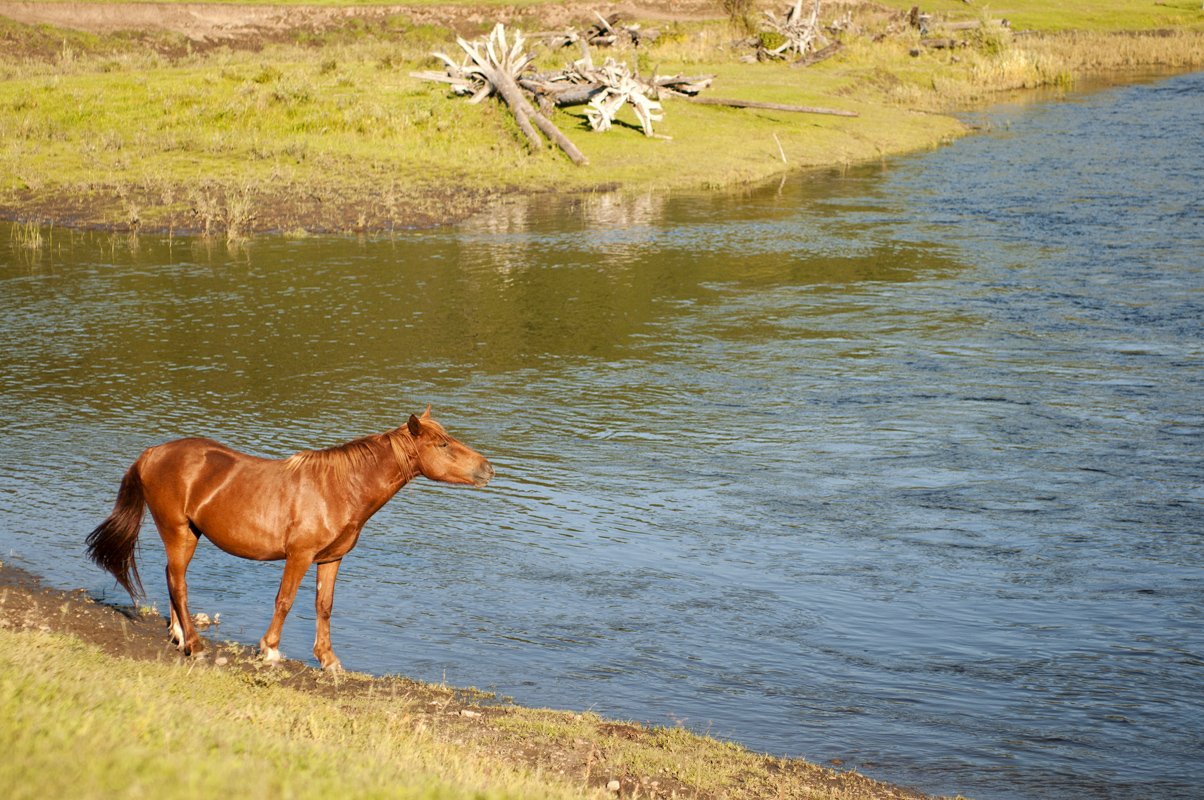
(344, 459)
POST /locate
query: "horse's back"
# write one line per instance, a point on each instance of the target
(185, 472)
(183, 457)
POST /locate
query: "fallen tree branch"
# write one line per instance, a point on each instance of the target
(818, 55)
(441, 77)
(561, 94)
(974, 23)
(717, 101)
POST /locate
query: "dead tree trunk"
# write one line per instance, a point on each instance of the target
(523, 111)
(495, 70)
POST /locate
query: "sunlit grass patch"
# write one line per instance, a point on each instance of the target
(78, 724)
(1064, 15)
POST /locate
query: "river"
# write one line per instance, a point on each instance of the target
(899, 465)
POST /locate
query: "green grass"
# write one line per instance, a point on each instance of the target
(77, 724)
(1079, 15)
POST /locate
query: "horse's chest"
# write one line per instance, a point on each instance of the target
(341, 545)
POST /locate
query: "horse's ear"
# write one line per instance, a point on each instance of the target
(415, 426)
(427, 414)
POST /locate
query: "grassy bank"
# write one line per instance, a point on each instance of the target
(94, 703)
(324, 129)
(169, 731)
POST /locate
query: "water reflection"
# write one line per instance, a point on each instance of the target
(898, 466)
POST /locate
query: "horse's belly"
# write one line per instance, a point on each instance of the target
(241, 520)
(247, 544)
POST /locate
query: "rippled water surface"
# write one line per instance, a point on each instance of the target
(900, 466)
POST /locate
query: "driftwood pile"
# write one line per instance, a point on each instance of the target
(619, 86)
(497, 66)
(582, 82)
(798, 35)
(607, 88)
(606, 32)
(801, 33)
(917, 20)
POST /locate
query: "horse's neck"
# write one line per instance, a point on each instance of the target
(382, 478)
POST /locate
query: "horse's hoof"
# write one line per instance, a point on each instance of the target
(333, 666)
(271, 654)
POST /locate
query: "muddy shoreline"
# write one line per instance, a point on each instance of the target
(122, 631)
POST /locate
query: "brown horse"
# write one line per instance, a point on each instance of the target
(308, 508)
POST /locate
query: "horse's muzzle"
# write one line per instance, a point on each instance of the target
(482, 474)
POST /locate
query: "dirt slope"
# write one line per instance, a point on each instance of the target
(216, 22)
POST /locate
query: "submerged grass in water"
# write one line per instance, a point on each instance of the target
(27, 236)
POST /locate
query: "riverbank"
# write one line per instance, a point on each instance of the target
(102, 682)
(227, 119)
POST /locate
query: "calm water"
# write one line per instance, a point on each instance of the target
(900, 466)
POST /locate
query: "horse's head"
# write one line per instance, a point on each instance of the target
(442, 458)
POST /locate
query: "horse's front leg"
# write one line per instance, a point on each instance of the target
(323, 604)
(294, 570)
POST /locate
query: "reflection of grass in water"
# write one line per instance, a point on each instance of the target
(27, 236)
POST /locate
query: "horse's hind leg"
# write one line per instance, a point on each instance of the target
(323, 604)
(177, 630)
(180, 543)
(294, 570)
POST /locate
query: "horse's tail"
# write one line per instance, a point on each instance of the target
(111, 545)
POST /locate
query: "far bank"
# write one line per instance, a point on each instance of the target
(295, 119)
